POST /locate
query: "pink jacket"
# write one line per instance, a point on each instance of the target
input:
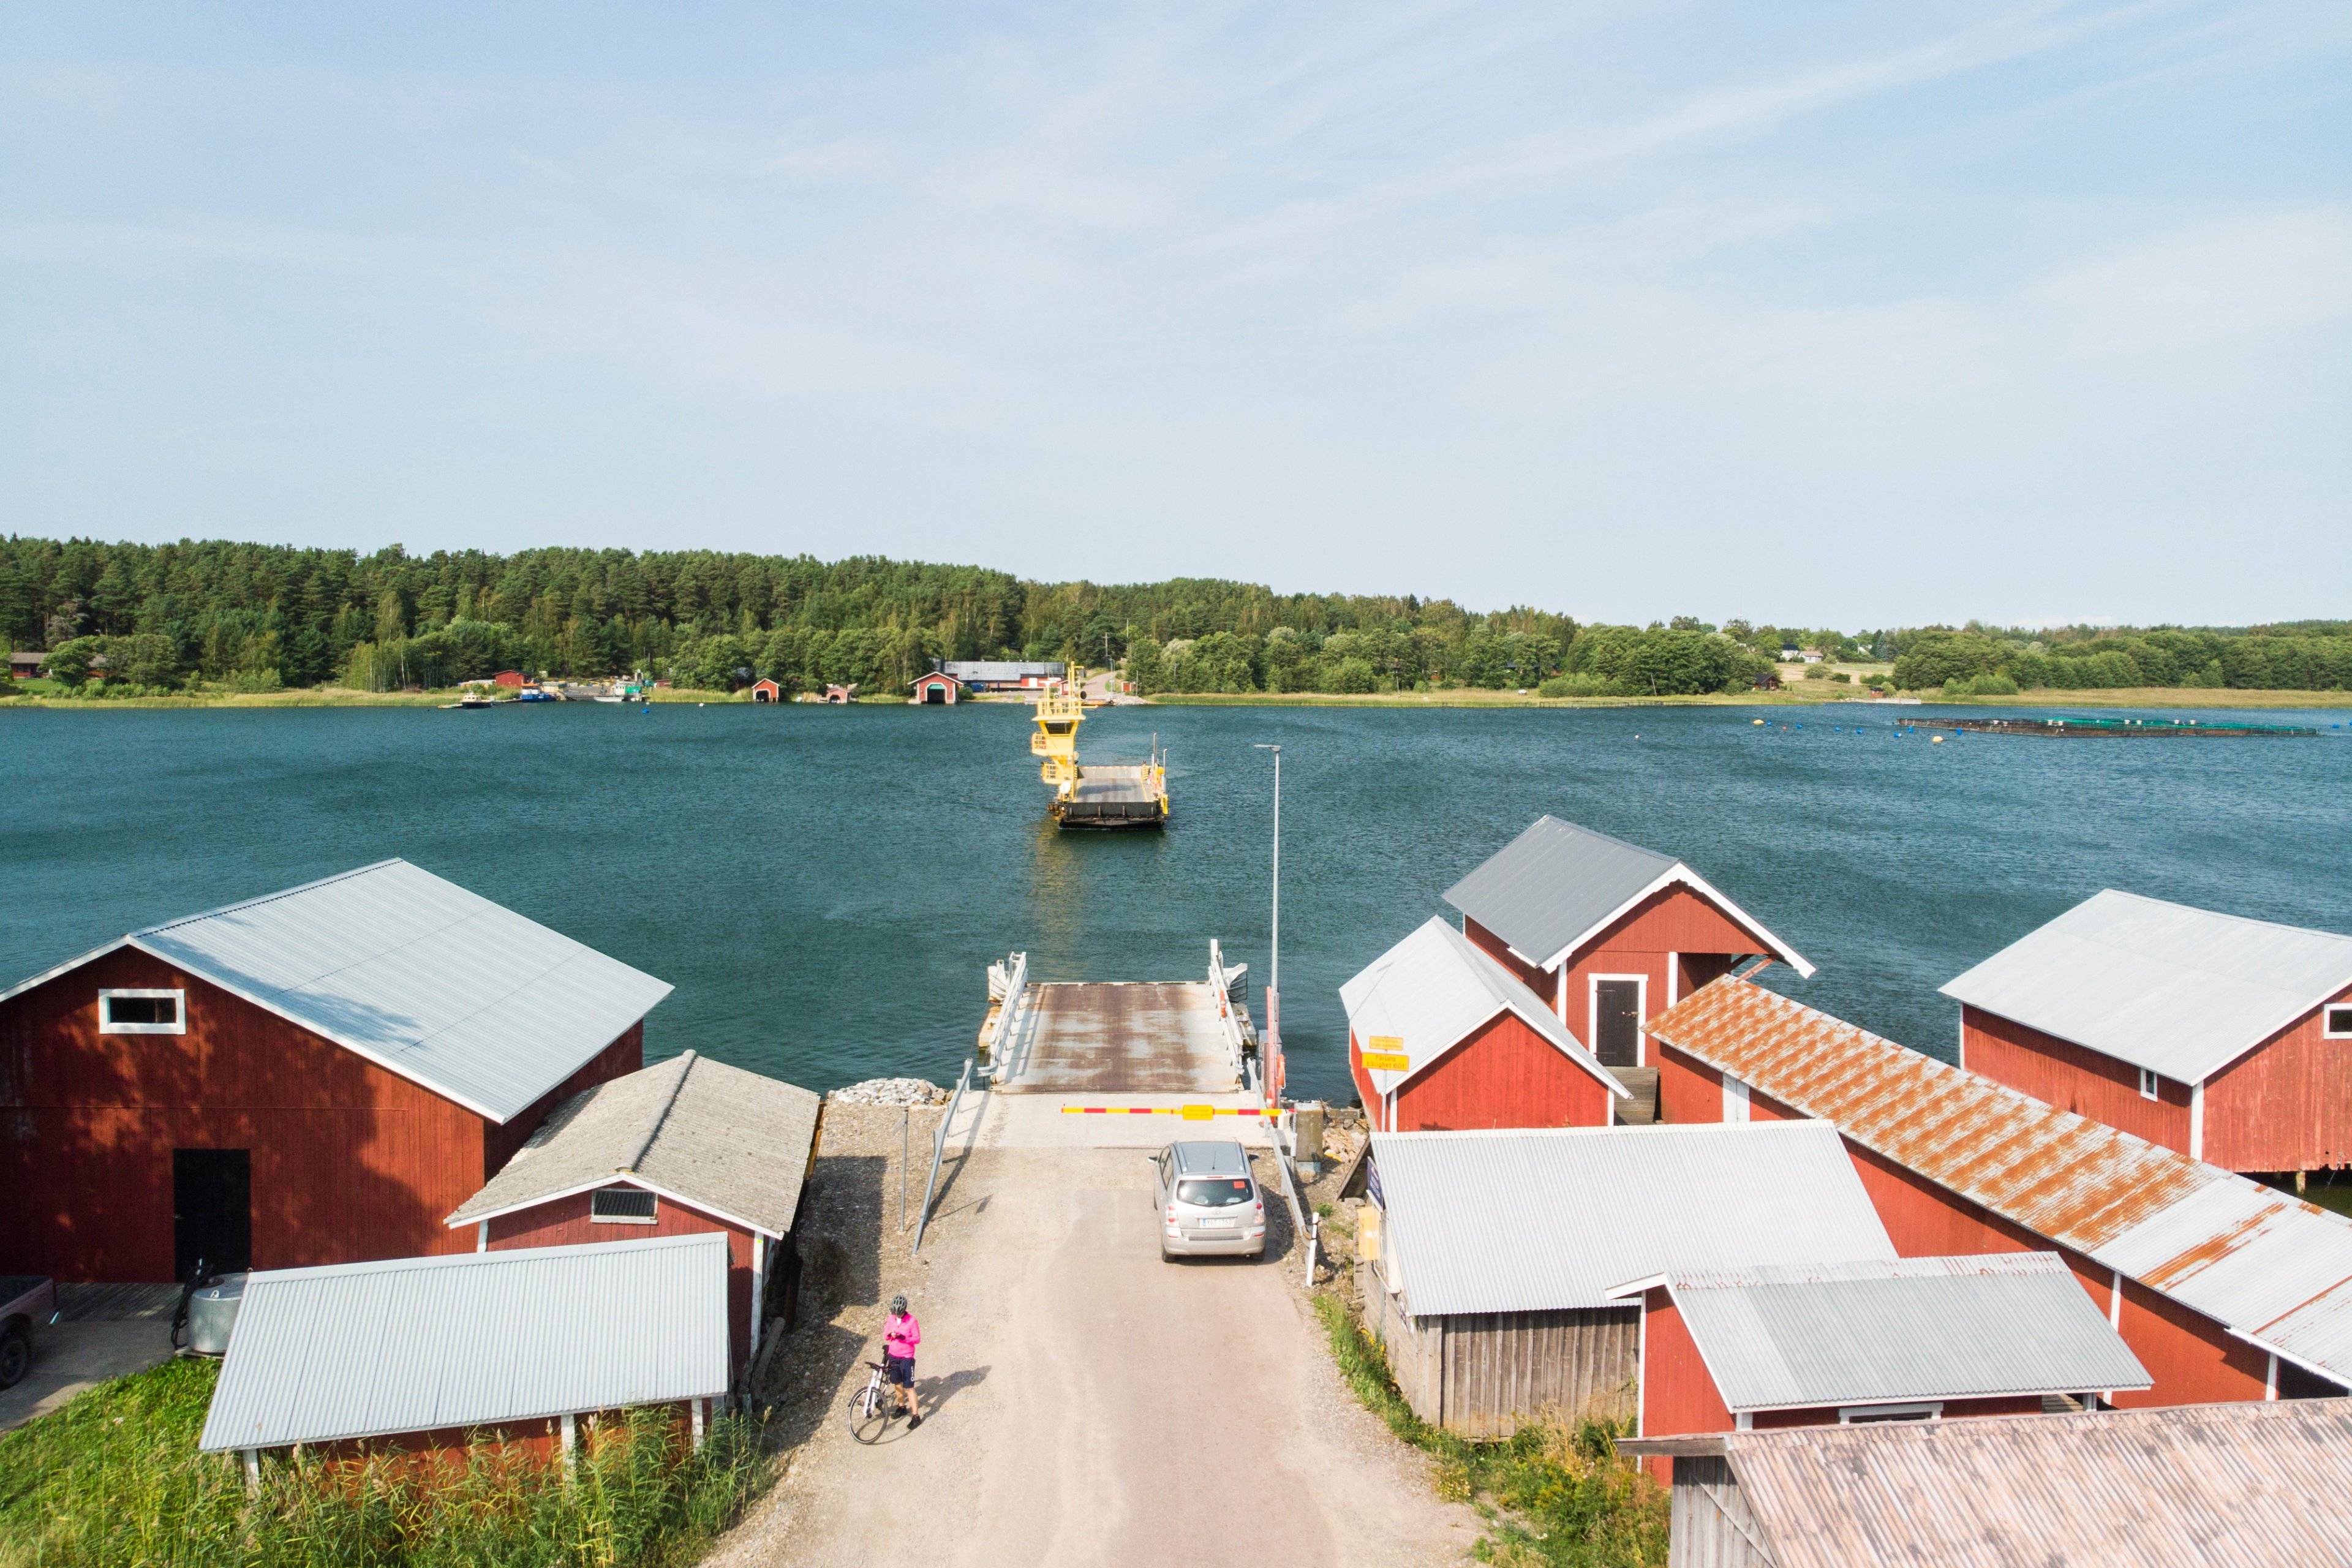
(901, 1336)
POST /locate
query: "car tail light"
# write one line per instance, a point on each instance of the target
(1260, 1206)
(1171, 1214)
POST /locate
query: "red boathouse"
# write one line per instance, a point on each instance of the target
(315, 1076)
(1454, 1042)
(1827, 1344)
(686, 1147)
(2227, 1039)
(2224, 1289)
(1607, 933)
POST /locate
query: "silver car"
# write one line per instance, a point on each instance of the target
(1209, 1202)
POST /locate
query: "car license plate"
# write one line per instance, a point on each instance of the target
(1213, 1224)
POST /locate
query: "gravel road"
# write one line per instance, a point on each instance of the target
(1090, 1404)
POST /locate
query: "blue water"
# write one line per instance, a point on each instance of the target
(825, 887)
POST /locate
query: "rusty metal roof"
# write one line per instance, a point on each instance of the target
(2247, 1485)
(2181, 992)
(2272, 1270)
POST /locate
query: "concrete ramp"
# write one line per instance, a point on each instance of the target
(1116, 1064)
(1139, 1038)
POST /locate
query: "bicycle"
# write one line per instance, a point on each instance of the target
(873, 1407)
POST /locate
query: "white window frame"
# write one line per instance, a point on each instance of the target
(1641, 1015)
(2327, 1031)
(2150, 1083)
(1736, 1107)
(106, 1025)
(595, 1218)
(1889, 1414)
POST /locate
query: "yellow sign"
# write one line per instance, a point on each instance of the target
(1385, 1053)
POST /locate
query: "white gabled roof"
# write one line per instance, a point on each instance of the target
(1545, 1220)
(1557, 884)
(1781, 1337)
(418, 975)
(480, 1339)
(2181, 992)
(1433, 990)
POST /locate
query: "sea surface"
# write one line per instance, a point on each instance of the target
(825, 887)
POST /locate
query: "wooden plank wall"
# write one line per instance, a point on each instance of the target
(1504, 1369)
(1709, 1519)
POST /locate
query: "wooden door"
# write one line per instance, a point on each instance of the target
(1617, 1022)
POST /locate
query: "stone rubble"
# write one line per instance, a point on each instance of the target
(891, 1091)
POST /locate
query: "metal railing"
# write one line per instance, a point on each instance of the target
(1285, 1131)
(939, 1148)
(1236, 1040)
(1016, 988)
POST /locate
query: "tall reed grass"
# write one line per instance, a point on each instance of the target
(114, 1480)
(1555, 1498)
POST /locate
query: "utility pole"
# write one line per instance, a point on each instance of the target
(1273, 975)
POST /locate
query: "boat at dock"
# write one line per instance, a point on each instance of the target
(1103, 796)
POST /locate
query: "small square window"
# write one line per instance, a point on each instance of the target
(2336, 1020)
(621, 1205)
(143, 1012)
(2147, 1082)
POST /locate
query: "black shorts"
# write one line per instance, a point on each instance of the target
(899, 1370)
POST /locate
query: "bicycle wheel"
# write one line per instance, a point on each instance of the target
(870, 1414)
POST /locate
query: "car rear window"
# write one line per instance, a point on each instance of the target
(1213, 1195)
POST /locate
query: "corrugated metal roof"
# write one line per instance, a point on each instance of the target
(1558, 884)
(1433, 989)
(1548, 1219)
(2179, 991)
(726, 1141)
(417, 975)
(2271, 1268)
(1781, 1337)
(2200, 1486)
(422, 1344)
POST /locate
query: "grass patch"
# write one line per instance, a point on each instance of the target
(114, 1478)
(1560, 1500)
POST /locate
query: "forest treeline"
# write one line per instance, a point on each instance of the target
(261, 617)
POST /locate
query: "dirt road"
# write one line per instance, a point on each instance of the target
(1092, 1404)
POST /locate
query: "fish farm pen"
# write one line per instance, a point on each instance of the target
(2197, 729)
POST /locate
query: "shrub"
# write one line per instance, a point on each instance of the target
(115, 1478)
(1567, 1498)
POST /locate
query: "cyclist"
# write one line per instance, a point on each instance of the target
(901, 1335)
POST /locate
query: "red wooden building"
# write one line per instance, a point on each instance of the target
(1917, 1339)
(2227, 1039)
(686, 1147)
(1608, 933)
(1455, 1042)
(514, 680)
(2224, 1289)
(315, 1076)
(938, 688)
(766, 690)
(430, 1358)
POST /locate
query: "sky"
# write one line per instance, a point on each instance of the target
(1813, 313)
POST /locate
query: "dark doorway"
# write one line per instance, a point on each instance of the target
(1617, 1022)
(936, 695)
(212, 1210)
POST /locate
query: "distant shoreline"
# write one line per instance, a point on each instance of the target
(1797, 694)
(1800, 694)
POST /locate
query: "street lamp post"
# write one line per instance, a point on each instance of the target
(1273, 975)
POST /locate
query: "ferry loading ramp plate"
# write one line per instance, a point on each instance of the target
(1139, 1037)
